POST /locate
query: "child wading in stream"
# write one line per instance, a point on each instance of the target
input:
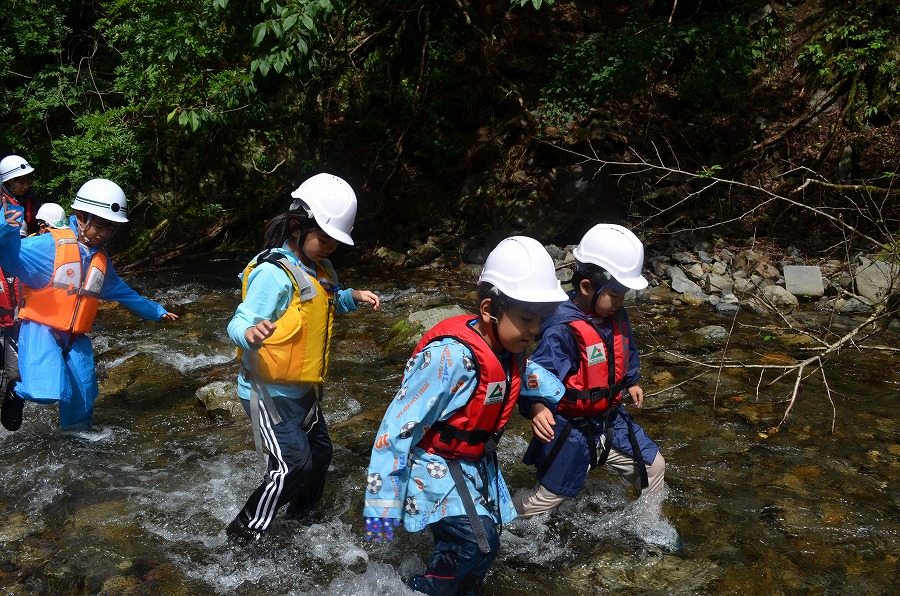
(282, 328)
(64, 274)
(433, 463)
(587, 343)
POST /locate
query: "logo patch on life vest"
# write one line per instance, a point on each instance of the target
(596, 354)
(495, 393)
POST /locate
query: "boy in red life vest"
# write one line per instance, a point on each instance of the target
(64, 275)
(588, 344)
(433, 462)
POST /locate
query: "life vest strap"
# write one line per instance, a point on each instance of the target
(595, 394)
(469, 505)
(448, 433)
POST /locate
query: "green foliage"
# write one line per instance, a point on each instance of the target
(860, 42)
(535, 3)
(709, 60)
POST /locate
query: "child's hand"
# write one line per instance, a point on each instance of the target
(367, 297)
(542, 422)
(260, 332)
(12, 217)
(637, 395)
(169, 316)
(380, 528)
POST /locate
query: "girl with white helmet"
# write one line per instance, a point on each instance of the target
(282, 328)
(64, 275)
(51, 216)
(16, 182)
(433, 463)
(588, 344)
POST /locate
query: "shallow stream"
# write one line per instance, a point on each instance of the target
(138, 503)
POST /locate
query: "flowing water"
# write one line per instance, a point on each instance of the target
(138, 503)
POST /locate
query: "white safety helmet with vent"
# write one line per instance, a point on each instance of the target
(13, 166)
(331, 201)
(53, 215)
(103, 198)
(521, 268)
(617, 250)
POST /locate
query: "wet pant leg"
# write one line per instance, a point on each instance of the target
(457, 565)
(292, 468)
(623, 464)
(77, 411)
(321, 447)
(536, 500)
(10, 337)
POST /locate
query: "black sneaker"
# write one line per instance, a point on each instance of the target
(11, 410)
(237, 532)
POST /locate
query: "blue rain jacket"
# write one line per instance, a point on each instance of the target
(49, 375)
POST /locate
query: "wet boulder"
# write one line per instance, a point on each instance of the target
(221, 397)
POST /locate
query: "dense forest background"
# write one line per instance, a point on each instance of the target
(458, 121)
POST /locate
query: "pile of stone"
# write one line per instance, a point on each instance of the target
(728, 279)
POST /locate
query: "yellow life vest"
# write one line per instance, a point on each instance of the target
(297, 352)
(69, 302)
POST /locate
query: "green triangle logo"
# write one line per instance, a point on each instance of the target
(596, 354)
(495, 393)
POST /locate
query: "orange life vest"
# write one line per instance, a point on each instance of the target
(598, 383)
(69, 302)
(474, 429)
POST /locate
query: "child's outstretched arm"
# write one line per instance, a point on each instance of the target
(367, 297)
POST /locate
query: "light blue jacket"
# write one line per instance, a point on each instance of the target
(405, 481)
(269, 292)
(47, 373)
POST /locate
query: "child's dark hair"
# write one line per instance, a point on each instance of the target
(281, 227)
(597, 275)
(501, 303)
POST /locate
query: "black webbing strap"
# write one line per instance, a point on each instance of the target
(448, 432)
(595, 394)
(551, 457)
(636, 450)
(469, 505)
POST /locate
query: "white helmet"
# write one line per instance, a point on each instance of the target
(617, 250)
(13, 166)
(53, 215)
(521, 268)
(103, 198)
(332, 203)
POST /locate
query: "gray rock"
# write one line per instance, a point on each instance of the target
(221, 396)
(875, 280)
(804, 280)
(695, 271)
(682, 285)
(780, 298)
(727, 308)
(704, 257)
(660, 264)
(719, 283)
(852, 306)
(685, 258)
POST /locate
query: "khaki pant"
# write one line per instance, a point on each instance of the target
(536, 500)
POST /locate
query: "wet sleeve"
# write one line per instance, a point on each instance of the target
(437, 382)
(116, 290)
(269, 292)
(344, 302)
(29, 259)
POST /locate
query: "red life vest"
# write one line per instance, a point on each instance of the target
(9, 299)
(70, 301)
(483, 418)
(598, 383)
